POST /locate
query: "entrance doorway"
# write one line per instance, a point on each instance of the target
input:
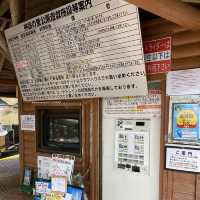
(9, 150)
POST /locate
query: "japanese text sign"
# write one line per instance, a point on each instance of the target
(158, 55)
(85, 49)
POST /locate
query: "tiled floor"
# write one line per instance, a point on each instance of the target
(9, 180)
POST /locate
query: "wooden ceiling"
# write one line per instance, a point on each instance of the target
(192, 1)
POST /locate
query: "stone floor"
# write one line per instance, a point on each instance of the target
(9, 180)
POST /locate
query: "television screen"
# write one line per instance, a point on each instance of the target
(63, 131)
(60, 130)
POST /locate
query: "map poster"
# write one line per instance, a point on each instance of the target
(183, 159)
(84, 49)
(185, 125)
(157, 54)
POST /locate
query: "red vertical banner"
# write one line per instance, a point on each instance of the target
(157, 55)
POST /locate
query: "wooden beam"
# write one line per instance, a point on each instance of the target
(3, 47)
(2, 61)
(175, 11)
(4, 22)
(4, 7)
(16, 10)
(192, 1)
(8, 82)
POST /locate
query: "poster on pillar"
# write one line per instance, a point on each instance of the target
(84, 49)
(157, 55)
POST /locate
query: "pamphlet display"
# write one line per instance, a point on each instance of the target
(183, 158)
(59, 184)
(84, 49)
(27, 181)
(42, 187)
(62, 165)
(55, 186)
(44, 166)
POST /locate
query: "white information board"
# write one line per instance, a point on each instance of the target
(183, 159)
(85, 49)
(183, 82)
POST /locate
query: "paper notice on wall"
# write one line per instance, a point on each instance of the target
(85, 49)
(132, 147)
(157, 55)
(28, 122)
(134, 105)
(183, 82)
(183, 159)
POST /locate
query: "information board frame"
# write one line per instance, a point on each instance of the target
(88, 53)
(183, 148)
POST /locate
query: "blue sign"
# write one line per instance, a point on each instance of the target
(185, 122)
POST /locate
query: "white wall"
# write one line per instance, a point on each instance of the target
(123, 185)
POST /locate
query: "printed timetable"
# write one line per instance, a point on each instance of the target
(85, 49)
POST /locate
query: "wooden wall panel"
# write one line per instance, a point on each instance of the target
(185, 55)
(186, 50)
(37, 7)
(183, 63)
(87, 164)
(186, 37)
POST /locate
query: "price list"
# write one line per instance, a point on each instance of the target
(85, 49)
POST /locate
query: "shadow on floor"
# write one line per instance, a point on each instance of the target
(9, 180)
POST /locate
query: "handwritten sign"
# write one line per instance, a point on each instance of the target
(183, 82)
(85, 49)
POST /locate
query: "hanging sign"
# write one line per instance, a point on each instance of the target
(85, 49)
(157, 54)
(183, 82)
(183, 159)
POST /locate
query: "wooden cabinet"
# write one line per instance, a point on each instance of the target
(88, 163)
